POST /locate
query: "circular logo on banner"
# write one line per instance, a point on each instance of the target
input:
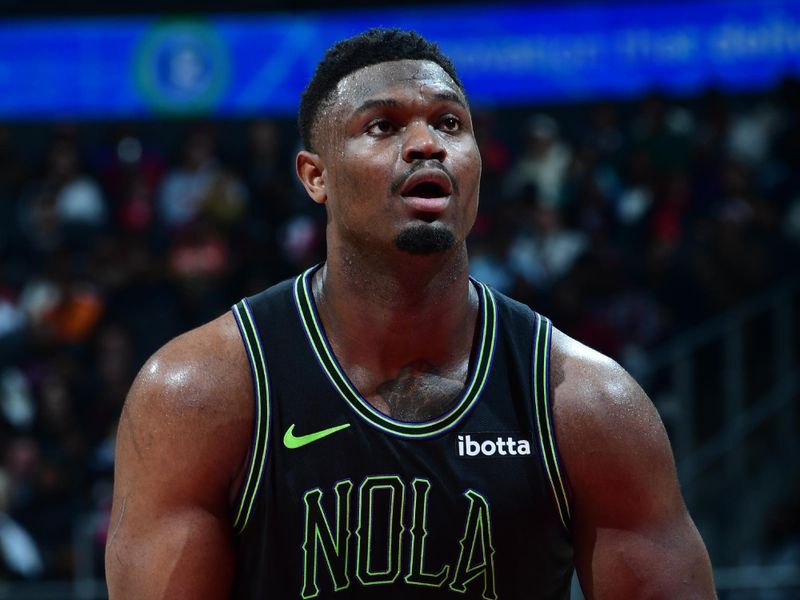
(182, 67)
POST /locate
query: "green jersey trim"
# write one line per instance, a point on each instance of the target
(330, 365)
(258, 456)
(544, 421)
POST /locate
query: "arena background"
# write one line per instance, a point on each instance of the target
(641, 186)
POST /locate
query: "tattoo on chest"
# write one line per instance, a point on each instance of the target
(419, 392)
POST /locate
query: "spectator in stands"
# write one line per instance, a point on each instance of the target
(66, 202)
(19, 555)
(543, 250)
(132, 174)
(543, 164)
(201, 185)
(268, 174)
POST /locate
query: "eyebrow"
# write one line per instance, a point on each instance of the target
(391, 103)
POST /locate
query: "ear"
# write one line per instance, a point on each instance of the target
(311, 172)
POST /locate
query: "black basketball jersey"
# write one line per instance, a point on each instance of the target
(342, 501)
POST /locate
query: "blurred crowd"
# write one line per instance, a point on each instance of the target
(625, 222)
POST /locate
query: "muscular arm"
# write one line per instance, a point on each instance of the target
(182, 439)
(632, 533)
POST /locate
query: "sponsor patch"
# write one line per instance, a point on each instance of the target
(494, 444)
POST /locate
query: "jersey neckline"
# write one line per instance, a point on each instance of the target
(477, 377)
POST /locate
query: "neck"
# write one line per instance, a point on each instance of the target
(384, 317)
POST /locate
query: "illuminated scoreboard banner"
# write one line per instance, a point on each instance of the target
(248, 65)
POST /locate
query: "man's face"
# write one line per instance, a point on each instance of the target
(401, 166)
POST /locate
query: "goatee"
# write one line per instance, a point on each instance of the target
(424, 239)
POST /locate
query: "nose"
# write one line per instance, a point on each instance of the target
(422, 143)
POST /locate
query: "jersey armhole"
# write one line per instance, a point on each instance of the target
(259, 447)
(543, 418)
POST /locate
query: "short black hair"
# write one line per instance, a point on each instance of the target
(370, 47)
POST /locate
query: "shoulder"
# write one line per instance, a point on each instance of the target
(632, 534)
(607, 427)
(197, 371)
(588, 383)
(193, 398)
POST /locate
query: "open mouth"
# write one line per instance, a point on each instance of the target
(427, 184)
(426, 189)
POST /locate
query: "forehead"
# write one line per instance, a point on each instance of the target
(393, 79)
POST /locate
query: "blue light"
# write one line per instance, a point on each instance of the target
(248, 65)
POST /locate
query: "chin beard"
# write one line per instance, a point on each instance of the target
(424, 239)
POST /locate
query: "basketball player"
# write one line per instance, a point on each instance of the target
(383, 426)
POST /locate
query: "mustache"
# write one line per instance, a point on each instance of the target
(398, 183)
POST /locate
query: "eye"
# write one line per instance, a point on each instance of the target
(380, 127)
(450, 123)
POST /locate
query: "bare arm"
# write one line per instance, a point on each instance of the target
(182, 440)
(633, 536)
